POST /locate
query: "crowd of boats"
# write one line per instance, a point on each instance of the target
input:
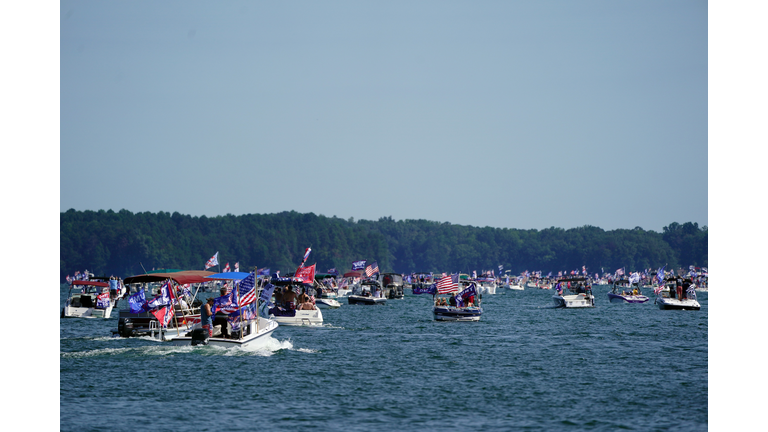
(169, 305)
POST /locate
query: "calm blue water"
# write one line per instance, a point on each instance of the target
(524, 366)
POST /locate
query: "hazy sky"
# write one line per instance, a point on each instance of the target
(519, 114)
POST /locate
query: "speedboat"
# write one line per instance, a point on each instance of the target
(455, 309)
(669, 300)
(253, 333)
(582, 298)
(392, 285)
(145, 323)
(632, 296)
(369, 292)
(296, 317)
(285, 310)
(93, 299)
(486, 286)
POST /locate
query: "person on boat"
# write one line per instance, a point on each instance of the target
(289, 298)
(279, 296)
(452, 300)
(206, 316)
(679, 288)
(303, 297)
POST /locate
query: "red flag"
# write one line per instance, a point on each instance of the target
(306, 274)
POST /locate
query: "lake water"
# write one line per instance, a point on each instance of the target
(524, 366)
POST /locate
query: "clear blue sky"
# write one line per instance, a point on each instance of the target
(519, 114)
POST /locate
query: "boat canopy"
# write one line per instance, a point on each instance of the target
(92, 283)
(353, 274)
(181, 277)
(229, 276)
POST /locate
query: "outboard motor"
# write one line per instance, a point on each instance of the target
(125, 327)
(199, 337)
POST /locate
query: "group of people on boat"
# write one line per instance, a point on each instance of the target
(287, 299)
(680, 288)
(471, 301)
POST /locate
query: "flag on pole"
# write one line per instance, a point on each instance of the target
(306, 255)
(358, 265)
(214, 261)
(237, 266)
(226, 268)
(372, 269)
(305, 274)
(247, 290)
(164, 298)
(138, 302)
(448, 284)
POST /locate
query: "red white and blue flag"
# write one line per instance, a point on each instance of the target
(102, 301)
(306, 255)
(372, 269)
(226, 268)
(237, 266)
(164, 315)
(214, 261)
(226, 303)
(247, 290)
(448, 284)
(305, 274)
(165, 298)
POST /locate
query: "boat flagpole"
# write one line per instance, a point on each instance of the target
(175, 317)
(239, 308)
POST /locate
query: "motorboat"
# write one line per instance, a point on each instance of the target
(514, 284)
(368, 292)
(669, 300)
(253, 334)
(290, 309)
(630, 293)
(186, 313)
(459, 306)
(486, 285)
(327, 301)
(582, 297)
(392, 285)
(94, 298)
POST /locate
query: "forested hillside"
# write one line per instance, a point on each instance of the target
(120, 243)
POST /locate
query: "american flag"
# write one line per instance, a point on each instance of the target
(306, 255)
(372, 269)
(448, 284)
(247, 290)
(226, 268)
(237, 266)
(214, 261)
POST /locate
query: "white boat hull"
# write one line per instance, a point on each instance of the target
(327, 303)
(302, 318)
(665, 303)
(257, 336)
(574, 301)
(83, 312)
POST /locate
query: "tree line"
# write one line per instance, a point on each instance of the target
(124, 243)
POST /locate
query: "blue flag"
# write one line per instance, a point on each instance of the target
(432, 289)
(138, 302)
(358, 265)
